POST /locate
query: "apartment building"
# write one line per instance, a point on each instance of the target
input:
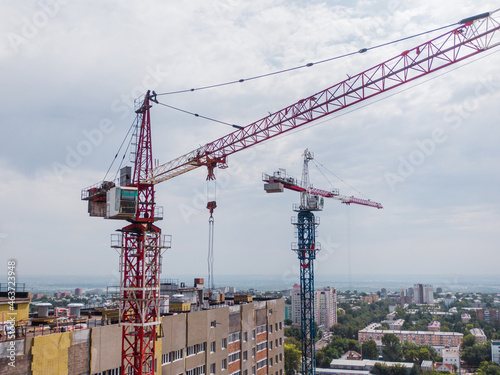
(478, 333)
(417, 337)
(245, 339)
(495, 351)
(325, 306)
(423, 294)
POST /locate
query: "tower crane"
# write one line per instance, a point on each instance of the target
(311, 199)
(141, 242)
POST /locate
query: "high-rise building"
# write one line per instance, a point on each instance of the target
(423, 294)
(325, 306)
(325, 303)
(295, 299)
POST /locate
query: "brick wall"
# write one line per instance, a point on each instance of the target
(79, 359)
(23, 365)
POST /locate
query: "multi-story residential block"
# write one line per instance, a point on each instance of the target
(243, 339)
(396, 325)
(416, 337)
(423, 294)
(325, 306)
(488, 315)
(370, 298)
(325, 303)
(295, 299)
(495, 351)
(479, 335)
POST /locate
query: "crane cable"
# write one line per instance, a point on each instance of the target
(352, 187)
(308, 65)
(125, 152)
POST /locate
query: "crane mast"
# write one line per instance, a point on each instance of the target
(141, 242)
(306, 248)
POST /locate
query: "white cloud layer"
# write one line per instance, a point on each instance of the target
(70, 72)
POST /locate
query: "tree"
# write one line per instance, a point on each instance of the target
(288, 322)
(477, 353)
(369, 350)
(391, 350)
(292, 359)
(293, 332)
(468, 340)
(489, 368)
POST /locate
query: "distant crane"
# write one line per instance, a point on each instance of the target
(141, 242)
(311, 199)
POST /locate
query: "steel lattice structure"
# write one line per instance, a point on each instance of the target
(473, 36)
(306, 249)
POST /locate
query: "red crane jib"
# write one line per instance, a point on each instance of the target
(468, 39)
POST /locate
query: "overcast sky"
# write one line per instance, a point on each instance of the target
(71, 69)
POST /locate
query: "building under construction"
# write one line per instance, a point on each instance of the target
(241, 338)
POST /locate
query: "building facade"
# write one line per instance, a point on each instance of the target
(451, 339)
(478, 333)
(451, 356)
(325, 311)
(495, 351)
(423, 294)
(245, 339)
(325, 306)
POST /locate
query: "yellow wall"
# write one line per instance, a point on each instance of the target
(22, 311)
(50, 354)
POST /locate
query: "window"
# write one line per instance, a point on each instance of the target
(245, 355)
(270, 345)
(235, 336)
(224, 343)
(262, 363)
(195, 349)
(270, 362)
(245, 336)
(261, 346)
(281, 357)
(200, 370)
(276, 359)
(212, 368)
(270, 328)
(224, 364)
(276, 343)
(253, 370)
(253, 334)
(176, 355)
(281, 342)
(281, 326)
(233, 357)
(245, 372)
(165, 358)
(212, 347)
(261, 329)
(276, 326)
(213, 324)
